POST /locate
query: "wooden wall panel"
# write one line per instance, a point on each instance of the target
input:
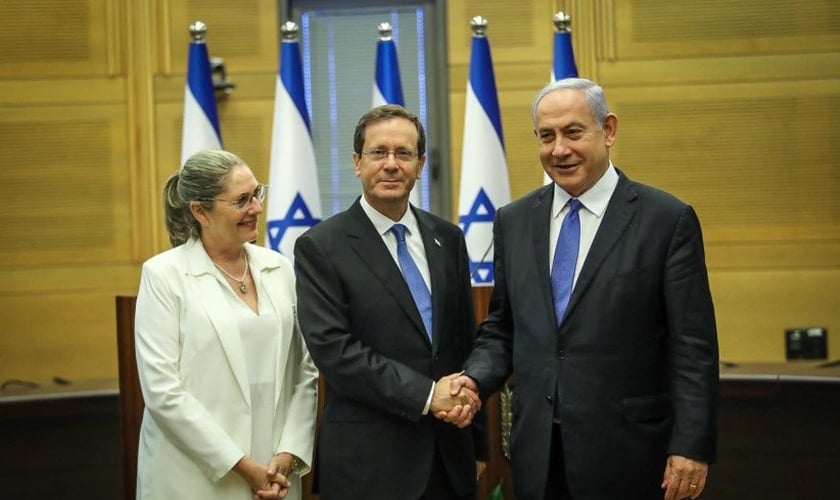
(757, 160)
(59, 38)
(514, 32)
(20, 93)
(244, 33)
(70, 335)
(666, 29)
(63, 200)
(754, 307)
(683, 42)
(725, 70)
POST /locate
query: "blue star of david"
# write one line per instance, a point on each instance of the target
(482, 210)
(482, 272)
(297, 216)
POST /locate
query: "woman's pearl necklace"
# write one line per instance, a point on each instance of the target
(242, 287)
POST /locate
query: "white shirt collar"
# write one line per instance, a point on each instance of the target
(383, 223)
(595, 199)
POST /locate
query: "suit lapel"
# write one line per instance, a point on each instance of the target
(620, 211)
(213, 301)
(540, 220)
(370, 248)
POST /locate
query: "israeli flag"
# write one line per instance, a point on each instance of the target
(294, 200)
(387, 86)
(564, 57)
(201, 120)
(484, 174)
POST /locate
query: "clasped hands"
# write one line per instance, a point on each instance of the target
(455, 399)
(267, 481)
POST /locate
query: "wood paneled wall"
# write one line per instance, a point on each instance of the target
(726, 104)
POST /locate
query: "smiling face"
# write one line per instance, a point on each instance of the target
(387, 182)
(574, 148)
(225, 225)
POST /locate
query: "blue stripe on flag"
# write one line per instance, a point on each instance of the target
(564, 57)
(291, 74)
(388, 72)
(200, 82)
(294, 201)
(483, 82)
(484, 175)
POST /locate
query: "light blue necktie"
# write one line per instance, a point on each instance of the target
(565, 260)
(411, 273)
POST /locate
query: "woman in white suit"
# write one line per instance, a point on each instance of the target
(229, 387)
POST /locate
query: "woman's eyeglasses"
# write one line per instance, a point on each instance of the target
(243, 203)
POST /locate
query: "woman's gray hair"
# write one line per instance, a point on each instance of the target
(593, 93)
(201, 179)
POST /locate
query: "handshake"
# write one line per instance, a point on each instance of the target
(455, 399)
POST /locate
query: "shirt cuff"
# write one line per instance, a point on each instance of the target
(429, 400)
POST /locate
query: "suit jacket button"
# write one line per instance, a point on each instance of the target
(549, 399)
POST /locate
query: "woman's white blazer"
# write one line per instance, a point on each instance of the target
(193, 374)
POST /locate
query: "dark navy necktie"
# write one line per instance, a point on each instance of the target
(565, 260)
(419, 290)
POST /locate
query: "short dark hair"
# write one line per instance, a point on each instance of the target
(387, 112)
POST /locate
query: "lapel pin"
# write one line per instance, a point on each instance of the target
(437, 242)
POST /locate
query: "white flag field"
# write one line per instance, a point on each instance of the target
(294, 200)
(201, 121)
(484, 173)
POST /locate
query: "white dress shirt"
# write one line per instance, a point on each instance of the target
(413, 240)
(415, 246)
(594, 201)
